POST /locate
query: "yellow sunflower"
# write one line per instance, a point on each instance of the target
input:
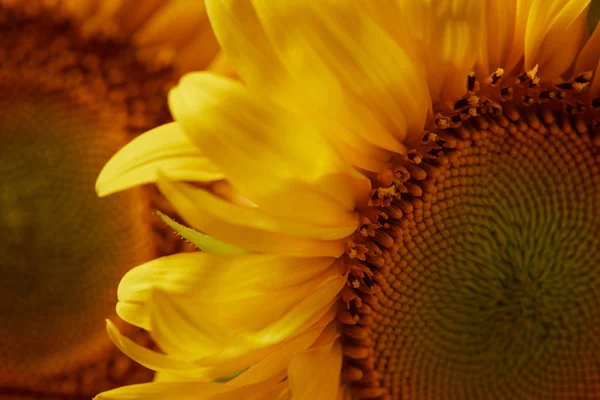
(78, 80)
(397, 200)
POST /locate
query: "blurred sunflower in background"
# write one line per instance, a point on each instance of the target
(397, 200)
(78, 80)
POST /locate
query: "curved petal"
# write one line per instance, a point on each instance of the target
(134, 313)
(277, 362)
(222, 294)
(443, 34)
(256, 218)
(556, 31)
(199, 239)
(245, 43)
(218, 277)
(498, 31)
(244, 39)
(588, 60)
(185, 329)
(183, 199)
(152, 359)
(258, 365)
(316, 373)
(165, 148)
(516, 50)
(191, 390)
(349, 68)
(265, 150)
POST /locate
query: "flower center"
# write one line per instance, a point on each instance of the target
(481, 251)
(68, 103)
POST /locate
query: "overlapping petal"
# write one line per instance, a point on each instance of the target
(318, 78)
(443, 36)
(502, 35)
(334, 63)
(183, 197)
(182, 326)
(588, 60)
(259, 219)
(165, 149)
(315, 373)
(556, 32)
(246, 367)
(193, 390)
(275, 158)
(219, 276)
(201, 304)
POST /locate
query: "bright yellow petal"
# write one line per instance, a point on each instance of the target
(152, 359)
(556, 31)
(219, 277)
(265, 363)
(256, 218)
(166, 149)
(192, 391)
(349, 68)
(278, 361)
(183, 199)
(184, 328)
(134, 313)
(245, 43)
(265, 150)
(315, 374)
(332, 62)
(444, 34)
(223, 294)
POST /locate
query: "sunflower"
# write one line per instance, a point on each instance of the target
(78, 80)
(396, 200)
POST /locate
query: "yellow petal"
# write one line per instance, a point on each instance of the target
(152, 359)
(219, 277)
(556, 31)
(516, 49)
(183, 327)
(245, 43)
(444, 34)
(278, 361)
(199, 239)
(192, 391)
(497, 35)
(166, 149)
(256, 218)
(222, 291)
(316, 373)
(588, 60)
(241, 236)
(348, 67)
(134, 313)
(331, 61)
(222, 65)
(277, 160)
(264, 363)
